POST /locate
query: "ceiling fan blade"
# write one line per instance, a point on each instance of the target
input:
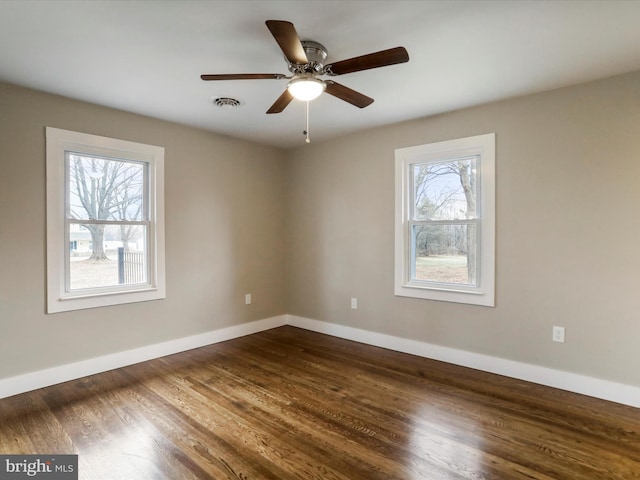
(348, 95)
(243, 76)
(371, 60)
(287, 37)
(281, 103)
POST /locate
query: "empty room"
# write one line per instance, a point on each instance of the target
(332, 240)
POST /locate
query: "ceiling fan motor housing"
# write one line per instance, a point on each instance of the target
(316, 55)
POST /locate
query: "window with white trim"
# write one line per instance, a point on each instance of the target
(445, 221)
(105, 221)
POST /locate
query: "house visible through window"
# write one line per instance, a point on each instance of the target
(104, 201)
(445, 221)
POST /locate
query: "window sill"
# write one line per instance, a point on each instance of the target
(471, 297)
(95, 300)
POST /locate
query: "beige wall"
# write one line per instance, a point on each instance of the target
(568, 164)
(568, 229)
(224, 220)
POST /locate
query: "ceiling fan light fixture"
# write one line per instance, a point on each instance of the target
(306, 88)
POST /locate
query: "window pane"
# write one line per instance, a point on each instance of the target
(105, 189)
(445, 190)
(106, 255)
(444, 253)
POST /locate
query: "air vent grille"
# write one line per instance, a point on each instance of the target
(226, 102)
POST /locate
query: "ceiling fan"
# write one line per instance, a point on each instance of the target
(305, 60)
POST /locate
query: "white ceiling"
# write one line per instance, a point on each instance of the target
(147, 56)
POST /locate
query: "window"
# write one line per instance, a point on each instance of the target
(105, 221)
(445, 221)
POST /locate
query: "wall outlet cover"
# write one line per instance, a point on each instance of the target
(558, 334)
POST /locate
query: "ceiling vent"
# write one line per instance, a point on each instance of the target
(226, 102)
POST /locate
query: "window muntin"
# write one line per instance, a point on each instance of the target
(105, 221)
(445, 225)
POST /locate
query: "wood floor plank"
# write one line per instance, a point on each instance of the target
(495, 428)
(301, 396)
(293, 404)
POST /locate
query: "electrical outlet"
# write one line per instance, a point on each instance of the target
(354, 303)
(558, 334)
(247, 299)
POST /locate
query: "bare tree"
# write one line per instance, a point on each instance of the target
(468, 183)
(128, 208)
(104, 189)
(442, 203)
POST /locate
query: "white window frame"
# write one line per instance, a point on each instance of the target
(59, 142)
(483, 293)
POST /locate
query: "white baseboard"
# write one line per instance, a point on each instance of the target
(594, 387)
(63, 373)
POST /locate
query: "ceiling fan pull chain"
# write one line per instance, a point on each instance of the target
(306, 132)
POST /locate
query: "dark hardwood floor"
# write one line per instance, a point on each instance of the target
(288, 403)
